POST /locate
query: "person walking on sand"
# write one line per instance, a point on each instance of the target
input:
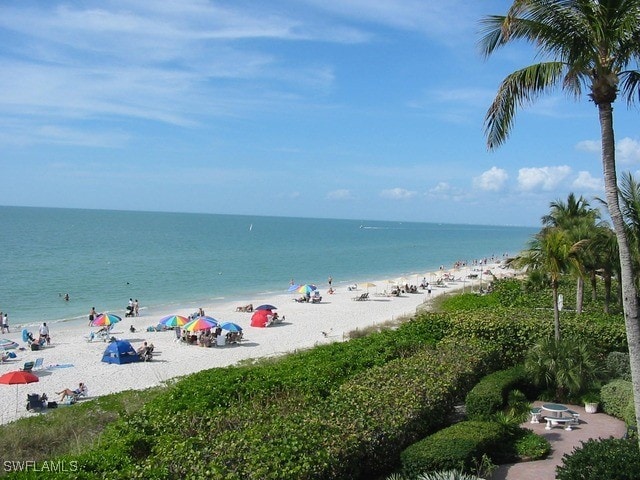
(92, 315)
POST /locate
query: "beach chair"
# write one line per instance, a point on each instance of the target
(104, 333)
(36, 402)
(28, 366)
(38, 364)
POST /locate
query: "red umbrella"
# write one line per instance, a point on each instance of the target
(18, 377)
(259, 318)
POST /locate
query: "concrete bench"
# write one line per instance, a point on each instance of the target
(535, 414)
(575, 416)
(567, 421)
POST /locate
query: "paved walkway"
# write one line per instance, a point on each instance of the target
(592, 425)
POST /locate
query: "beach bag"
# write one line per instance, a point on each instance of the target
(35, 346)
(52, 405)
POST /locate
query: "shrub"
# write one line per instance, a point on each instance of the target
(610, 459)
(455, 447)
(531, 446)
(616, 396)
(490, 394)
(618, 366)
(567, 366)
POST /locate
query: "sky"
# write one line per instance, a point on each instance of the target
(354, 109)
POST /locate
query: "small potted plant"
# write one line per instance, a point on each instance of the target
(591, 400)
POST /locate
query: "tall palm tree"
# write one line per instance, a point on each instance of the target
(590, 44)
(552, 253)
(578, 219)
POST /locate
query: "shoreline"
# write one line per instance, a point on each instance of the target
(71, 358)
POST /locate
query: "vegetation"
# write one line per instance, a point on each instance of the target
(490, 395)
(565, 367)
(584, 45)
(613, 459)
(617, 400)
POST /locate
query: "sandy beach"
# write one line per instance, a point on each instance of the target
(71, 358)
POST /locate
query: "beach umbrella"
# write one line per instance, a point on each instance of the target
(266, 307)
(18, 377)
(367, 285)
(260, 318)
(200, 323)
(105, 319)
(7, 344)
(231, 327)
(306, 288)
(174, 320)
(294, 287)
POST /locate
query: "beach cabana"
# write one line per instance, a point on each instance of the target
(120, 352)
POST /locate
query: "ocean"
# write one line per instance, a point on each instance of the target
(101, 258)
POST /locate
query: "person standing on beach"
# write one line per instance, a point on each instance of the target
(136, 307)
(330, 281)
(92, 315)
(5, 323)
(44, 333)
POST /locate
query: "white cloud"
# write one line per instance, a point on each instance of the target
(585, 181)
(493, 180)
(398, 193)
(341, 194)
(628, 150)
(588, 146)
(544, 178)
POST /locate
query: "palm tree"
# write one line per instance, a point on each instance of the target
(578, 219)
(590, 44)
(553, 253)
(602, 257)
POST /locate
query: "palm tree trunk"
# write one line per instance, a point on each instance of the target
(607, 292)
(556, 311)
(579, 294)
(594, 285)
(629, 293)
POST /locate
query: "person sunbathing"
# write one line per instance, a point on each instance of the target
(80, 391)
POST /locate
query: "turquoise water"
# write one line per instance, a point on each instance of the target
(103, 258)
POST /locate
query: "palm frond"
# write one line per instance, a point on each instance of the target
(518, 89)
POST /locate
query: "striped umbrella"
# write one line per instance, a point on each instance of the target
(105, 319)
(306, 288)
(174, 321)
(201, 323)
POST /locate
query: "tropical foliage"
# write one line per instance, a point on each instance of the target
(583, 45)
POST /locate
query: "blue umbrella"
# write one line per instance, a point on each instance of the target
(294, 287)
(266, 307)
(231, 327)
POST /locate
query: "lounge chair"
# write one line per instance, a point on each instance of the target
(38, 364)
(28, 366)
(104, 333)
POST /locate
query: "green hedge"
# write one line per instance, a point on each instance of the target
(455, 447)
(617, 400)
(490, 394)
(357, 429)
(610, 459)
